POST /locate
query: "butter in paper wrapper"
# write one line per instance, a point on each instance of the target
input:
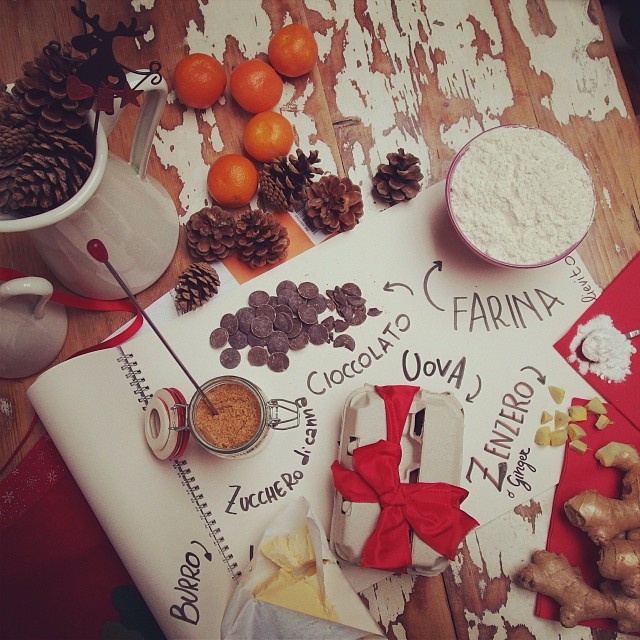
(247, 617)
(431, 442)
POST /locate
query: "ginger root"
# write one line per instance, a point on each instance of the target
(552, 575)
(601, 518)
(612, 524)
(620, 560)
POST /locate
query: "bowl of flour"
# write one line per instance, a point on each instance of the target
(519, 197)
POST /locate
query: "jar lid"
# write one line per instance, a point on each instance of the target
(165, 424)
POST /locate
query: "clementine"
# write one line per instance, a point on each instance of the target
(199, 80)
(232, 180)
(255, 85)
(293, 50)
(267, 135)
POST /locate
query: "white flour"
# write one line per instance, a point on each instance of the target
(520, 196)
(600, 348)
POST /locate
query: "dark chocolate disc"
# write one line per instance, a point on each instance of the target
(238, 340)
(256, 298)
(351, 289)
(261, 326)
(283, 322)
(267, 311)
(318, 334)
(278, 361)
(278, 341)
(319, 303)
(308, 290)
(245, 316)
(257, 356)
(230, 358)
(285, 284)
(229, 322)
(218, 338)
(299, 342)
(307, 314)
(295, 329)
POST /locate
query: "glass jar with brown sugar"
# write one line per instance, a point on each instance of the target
(239, 424)
(243, 419)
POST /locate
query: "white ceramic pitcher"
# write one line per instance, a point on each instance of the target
(120, 205)
(32, 328)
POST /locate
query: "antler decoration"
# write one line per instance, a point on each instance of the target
(101, 75)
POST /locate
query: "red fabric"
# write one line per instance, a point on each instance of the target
(621, 302)
(431, 510)
(59, 570)
(581, 472)
(60, 576)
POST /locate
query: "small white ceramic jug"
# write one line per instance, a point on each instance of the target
(129, 212)
(32, 328)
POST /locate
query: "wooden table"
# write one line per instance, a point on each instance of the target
(424, 76)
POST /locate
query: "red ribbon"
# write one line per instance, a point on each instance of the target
(431, 510)
(71, 300)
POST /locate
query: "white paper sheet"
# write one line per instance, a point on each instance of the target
(449, 322)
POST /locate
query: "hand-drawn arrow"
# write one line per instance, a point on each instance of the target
(541, 377)
(471, 397)
(390, 286)
(437, 265)
(207, 554)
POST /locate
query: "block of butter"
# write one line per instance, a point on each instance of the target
(431, 443)
(296, 584)
(295, 588)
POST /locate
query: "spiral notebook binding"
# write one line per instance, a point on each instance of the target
(129, 365)
(197, 498)
(133, 374)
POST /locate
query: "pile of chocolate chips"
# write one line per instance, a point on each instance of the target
(271, 326)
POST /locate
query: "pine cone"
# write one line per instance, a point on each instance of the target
(16, 132)
(400, 179)
(42, 93)
(198, 283)
(50, 170)
(334, 204)
(283, 180)
(260, 238)
(211, 234)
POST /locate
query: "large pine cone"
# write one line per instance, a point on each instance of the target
(283, 180)
(399, 179)
(211, 234)
(198, 283)
(42, 93)
(260, 238)
(49, 171)
(334, 204)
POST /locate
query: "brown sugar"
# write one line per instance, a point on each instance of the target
(238, 418)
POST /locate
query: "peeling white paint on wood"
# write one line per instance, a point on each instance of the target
(473, 67)
(498, 550)
(141, 5)
(567, 62)
(6, 407)
(173, 147)
(387, 599)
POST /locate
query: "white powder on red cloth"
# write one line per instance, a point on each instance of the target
(520, 196)
(600, 348)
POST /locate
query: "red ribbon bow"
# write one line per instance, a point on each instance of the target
(432, 510)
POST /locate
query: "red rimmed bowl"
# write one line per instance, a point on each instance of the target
(519, 197)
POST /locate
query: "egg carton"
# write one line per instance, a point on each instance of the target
(431, 444)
